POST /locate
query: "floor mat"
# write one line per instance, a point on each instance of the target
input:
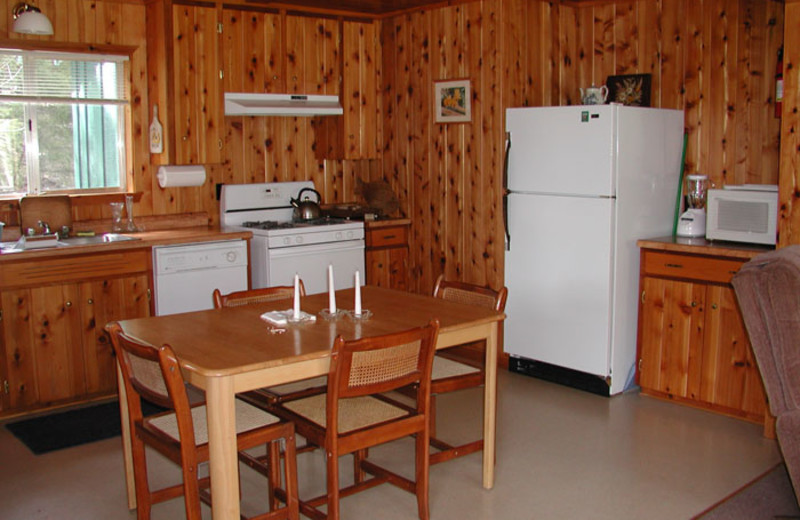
(73, 428)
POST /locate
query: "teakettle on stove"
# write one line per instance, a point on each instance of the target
(305, 208)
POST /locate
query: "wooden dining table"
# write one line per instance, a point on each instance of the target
(231, 350)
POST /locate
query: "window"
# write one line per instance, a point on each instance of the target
(62, 122)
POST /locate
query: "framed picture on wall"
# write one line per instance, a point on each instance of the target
(452, 101)
(629, 89)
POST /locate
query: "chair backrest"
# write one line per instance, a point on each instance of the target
(266, 294)
(471, 294)
(379, 364)
(152, 373)
(768, 291)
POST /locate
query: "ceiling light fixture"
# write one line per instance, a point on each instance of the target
(28, 19)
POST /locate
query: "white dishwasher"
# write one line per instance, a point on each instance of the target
(185, 276)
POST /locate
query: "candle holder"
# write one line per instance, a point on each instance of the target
(326, 314)
(364, 316)
(302, 318)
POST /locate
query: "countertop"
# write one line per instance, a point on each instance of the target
(147, 239)
(701, 246)
(389, 222)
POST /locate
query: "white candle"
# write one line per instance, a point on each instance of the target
(357, 310)
(296, 308)
(331, 291)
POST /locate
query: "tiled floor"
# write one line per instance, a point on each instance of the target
(562, 454)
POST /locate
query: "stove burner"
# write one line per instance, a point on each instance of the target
(268, 224)
(271, 224)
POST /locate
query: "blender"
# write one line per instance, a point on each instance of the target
(692, 222)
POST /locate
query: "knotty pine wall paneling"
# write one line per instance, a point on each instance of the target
(78, 25)
(714, 59)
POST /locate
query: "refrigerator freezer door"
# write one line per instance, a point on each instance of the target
(558, 274)
(566, 150)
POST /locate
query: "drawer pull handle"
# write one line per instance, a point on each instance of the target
(676, 266)
(68, 304)
(389, 236)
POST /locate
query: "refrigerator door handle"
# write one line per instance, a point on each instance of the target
(505, 191)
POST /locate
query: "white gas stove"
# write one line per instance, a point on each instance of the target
(282, 246)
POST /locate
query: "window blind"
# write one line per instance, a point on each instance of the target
(58, 77)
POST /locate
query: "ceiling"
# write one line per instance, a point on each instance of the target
(360, 7)
(375, 8)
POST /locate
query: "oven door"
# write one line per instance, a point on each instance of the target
(311, 263)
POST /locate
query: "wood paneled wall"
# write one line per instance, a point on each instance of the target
(715, 59)
(79, 24)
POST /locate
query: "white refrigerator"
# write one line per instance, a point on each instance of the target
(583, 184)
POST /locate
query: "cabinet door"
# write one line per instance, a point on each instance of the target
(312, 55)
(361, 77)
(198, 90)
(18, 366)
(730, 375)
(101, 302)
(57, 350)
(252, 52)
(671, 336)
(388, 268)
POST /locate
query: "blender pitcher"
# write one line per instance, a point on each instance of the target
(692, 222)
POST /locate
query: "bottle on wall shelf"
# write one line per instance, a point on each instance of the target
(156, 133)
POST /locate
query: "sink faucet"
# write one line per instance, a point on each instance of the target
(45, 227)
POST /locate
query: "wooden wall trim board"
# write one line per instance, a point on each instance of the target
(789, 190)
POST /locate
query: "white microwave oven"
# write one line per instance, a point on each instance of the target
(745, 213)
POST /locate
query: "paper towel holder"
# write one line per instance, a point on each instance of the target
(174, 176)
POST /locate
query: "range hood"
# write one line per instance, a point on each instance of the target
(248, 104)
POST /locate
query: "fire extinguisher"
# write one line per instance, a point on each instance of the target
(779, 84)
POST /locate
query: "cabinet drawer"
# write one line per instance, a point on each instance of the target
(74, 268)
(387, 237)
(690, 266)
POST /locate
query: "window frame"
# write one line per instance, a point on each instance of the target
(125, 142)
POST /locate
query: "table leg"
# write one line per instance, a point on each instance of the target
(223, 459)
(127, 453)
(490, 407)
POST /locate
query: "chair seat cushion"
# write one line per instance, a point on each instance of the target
(444, 367)
(248, 418)
(297, 386)
(354, 412)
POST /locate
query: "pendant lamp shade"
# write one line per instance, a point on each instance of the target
(28, 19)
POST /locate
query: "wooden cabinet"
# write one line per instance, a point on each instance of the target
(360, 91)
(197, 99)
(252, 50)
(357, 134)
(266, 51)
(53, 349)
(693, 346)
(387, 254)
(185, 79)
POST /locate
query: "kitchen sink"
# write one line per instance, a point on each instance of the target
(97, 239)
(50, 241)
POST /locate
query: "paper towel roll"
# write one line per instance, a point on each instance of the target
(177, 176)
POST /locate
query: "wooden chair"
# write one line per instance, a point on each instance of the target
(450, 372)
(354, 415)
(251, 296)
(265, 397)
(180, 434)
